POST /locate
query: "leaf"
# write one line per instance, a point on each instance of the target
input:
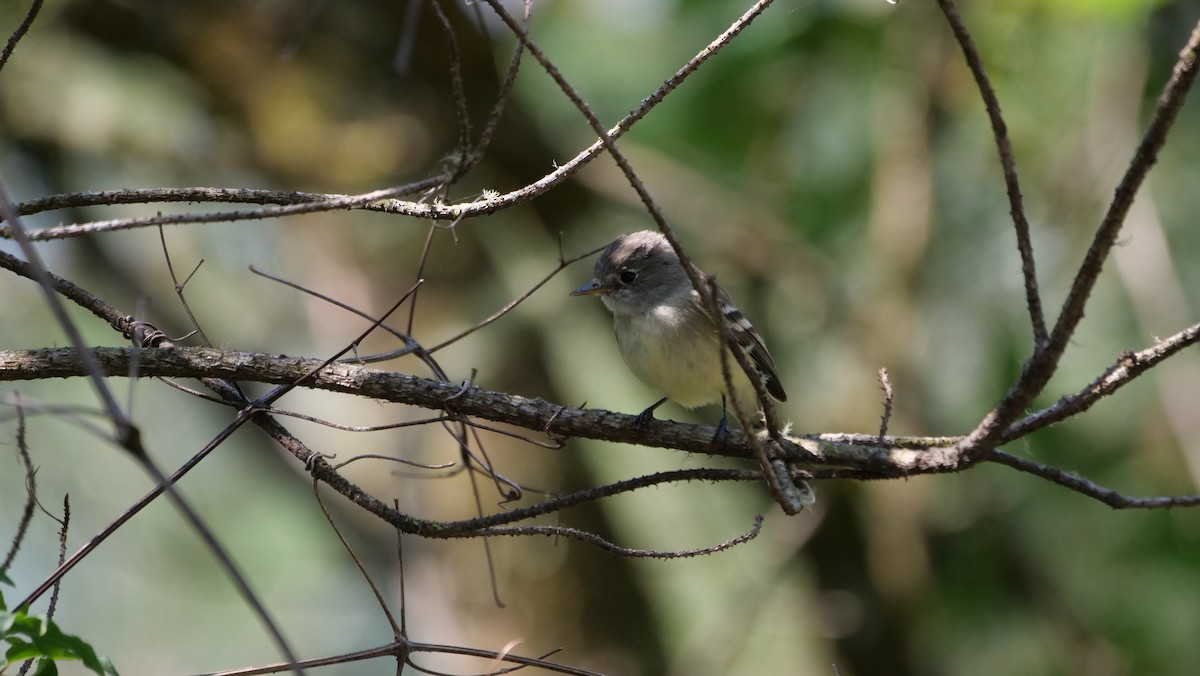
(48, 642)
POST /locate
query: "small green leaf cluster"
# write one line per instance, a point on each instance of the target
(33, 637)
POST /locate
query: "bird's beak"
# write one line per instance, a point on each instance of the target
(590, 289)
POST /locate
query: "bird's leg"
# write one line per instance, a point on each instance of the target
(646, 416)
(722, 433)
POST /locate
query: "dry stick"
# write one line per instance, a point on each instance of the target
(299, 206)
(162, 238)
(20, 32)
(460, 92)
(1079, 484)
(30, 489)
(502, 97)
(529, 413)
(886, 384)
(108, 198)
(235, 364)
(627, 552)
(400, 573)
(396, 631)
(404, 650)
(1004, 146)
(562, 265)
(1042, 365)
(64, 526)
(784, 494)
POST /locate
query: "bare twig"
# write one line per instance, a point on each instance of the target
(1079, 484)
(403, 650)
(362, 570)
(460, 94)
(562, 265)
(20, 32)
(63, 527)
(30, 489)
(302, 205)
(1033, 298)
(885, 383)
(601, 543)
(162, 238)
(502, 97)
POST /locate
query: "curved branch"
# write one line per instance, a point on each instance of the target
(1079, 484)
(1009, 165)
(1044, 362)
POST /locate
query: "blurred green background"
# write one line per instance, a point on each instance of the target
(833, 166)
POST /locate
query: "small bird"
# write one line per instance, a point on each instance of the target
(665, 332)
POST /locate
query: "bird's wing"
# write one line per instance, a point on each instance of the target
(749, 339)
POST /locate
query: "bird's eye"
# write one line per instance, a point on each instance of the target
(627, 276)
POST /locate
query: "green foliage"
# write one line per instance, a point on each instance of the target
(34, 637)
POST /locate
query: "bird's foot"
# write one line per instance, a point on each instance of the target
(646, 416)
(722, 434)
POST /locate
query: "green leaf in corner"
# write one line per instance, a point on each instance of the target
(30, 637)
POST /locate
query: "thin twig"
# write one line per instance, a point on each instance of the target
(357, 562)
(20, 32)
(1073, 481)
(601, 543)
(63, 527)
(562, 265)
(460, 93)
(162, 238)
(1033, 298)
(300, 206)
(30, 489)
(885, 383)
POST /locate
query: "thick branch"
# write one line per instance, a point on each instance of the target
(853, 456)
(873, 455)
